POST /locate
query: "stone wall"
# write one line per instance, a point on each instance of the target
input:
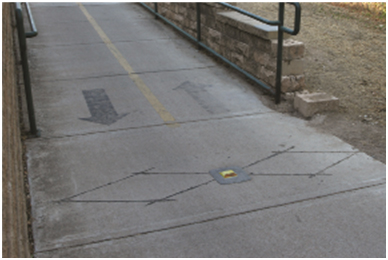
(244, 41)
(15, 236)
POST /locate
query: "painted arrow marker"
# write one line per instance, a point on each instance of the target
(100, 107)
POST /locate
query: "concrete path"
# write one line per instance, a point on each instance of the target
(134, 118)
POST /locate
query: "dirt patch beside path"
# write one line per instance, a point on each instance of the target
(345, 56)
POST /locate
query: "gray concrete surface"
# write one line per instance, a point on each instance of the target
(136, 186)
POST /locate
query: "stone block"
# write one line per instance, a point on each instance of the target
(267, 76)
(191, 6)
(242, 48)
(218, 26)
(292, 67)
(192, 16)
(291, 49)
(238, 59)
(209, 21)
(291, 83)
(245, 37)
(182, 10)
(214, 35)
(262, 44)
(294, 49)
(312, 103)
(250, 66)
(179, 18)
(262, 58)
(231, 31)
(208, 9)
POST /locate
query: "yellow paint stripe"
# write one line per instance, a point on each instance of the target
(155, 103)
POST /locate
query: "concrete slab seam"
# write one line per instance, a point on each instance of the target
(122, 74)
(214, 219)
(43, 138)
(96, 43)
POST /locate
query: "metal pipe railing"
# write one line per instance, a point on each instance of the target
(34, 31)
(23, 53)
(278, 23)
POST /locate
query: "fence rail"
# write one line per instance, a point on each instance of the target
(281, 29)
(23, 53)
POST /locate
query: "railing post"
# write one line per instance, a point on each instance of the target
(26, 74)
(281, 29)
(198, 7)
(280, 55)
(156, 9)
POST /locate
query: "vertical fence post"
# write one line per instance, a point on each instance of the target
(280, 54)
(26, 74)
(156, 9)
(198, 7)
(281, 29)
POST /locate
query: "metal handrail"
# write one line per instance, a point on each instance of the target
(23, 53)
(34, 31)
(274, 23)
(278, 23)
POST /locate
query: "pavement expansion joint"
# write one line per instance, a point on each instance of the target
(226, 117)
(100, 43)
(211, 219)
(173, 70)
(82, 78)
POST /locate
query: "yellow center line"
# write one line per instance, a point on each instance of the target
(152, 99)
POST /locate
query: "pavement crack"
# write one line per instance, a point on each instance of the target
(269, 157)
(149, 202)
(173, 173)
(68, 199)
(180, 192)
(330, 166)
(353, 152)
(117, 201)
(288, 174)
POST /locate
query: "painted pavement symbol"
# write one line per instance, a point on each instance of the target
(100, 107)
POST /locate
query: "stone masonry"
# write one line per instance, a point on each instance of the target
(14, 216)
(244, 41)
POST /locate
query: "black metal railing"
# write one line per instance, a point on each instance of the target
(24, 60)
(281, 29)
